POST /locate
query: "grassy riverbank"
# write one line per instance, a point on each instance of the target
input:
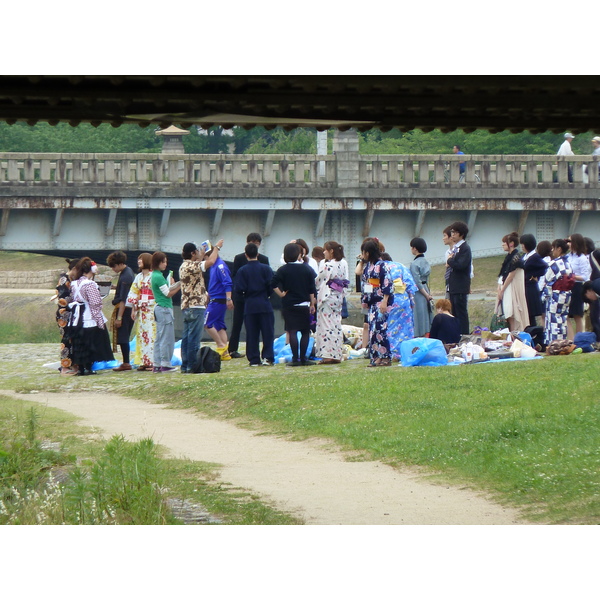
(526, 432)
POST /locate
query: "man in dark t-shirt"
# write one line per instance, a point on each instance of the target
(121, 318)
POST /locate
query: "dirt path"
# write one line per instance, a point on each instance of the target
(307, 478)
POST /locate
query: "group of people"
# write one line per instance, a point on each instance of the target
(547, 284)
(397, 301)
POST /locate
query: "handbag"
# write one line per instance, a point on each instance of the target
(498, 322)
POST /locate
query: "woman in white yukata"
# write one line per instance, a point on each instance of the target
(332, 283)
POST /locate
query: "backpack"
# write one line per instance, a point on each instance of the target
(565, 283)
(207, 361)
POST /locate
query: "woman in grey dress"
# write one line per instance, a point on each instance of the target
(420, 271)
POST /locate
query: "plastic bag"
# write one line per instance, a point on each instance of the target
(423, 352)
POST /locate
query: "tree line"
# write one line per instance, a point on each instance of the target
(42, 137)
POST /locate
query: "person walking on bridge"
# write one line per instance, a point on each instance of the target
(565, 150)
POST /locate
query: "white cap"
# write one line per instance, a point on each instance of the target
(569, 135)
(596, 138)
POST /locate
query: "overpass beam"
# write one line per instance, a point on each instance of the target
(420, 222)
(112, 219)
(269, 223)
(574, 221)
(4, 221)
(321, 222)
(217, 223)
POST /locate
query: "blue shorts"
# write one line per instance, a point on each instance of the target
(215, 316)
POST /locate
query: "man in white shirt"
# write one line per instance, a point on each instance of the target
(565, 150)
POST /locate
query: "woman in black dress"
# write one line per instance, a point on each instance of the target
(535, 267)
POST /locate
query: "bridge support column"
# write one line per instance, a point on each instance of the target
(368, 222)
(132, 230)
(420, 222)
(112, 219)
(4, 221)
(574, 221)
(269, 223)
(522, 220)
(217, 223)
(58, 219)
(321, 222)
(164, 222)
(471, 221)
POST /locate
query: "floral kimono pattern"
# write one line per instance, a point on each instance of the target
(329, 338)
(377, 283)
(141, 297)
(63, 297)
(556, 302)
(400, 325)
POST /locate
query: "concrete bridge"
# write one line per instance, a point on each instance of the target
(78, 204)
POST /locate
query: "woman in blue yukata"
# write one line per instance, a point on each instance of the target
(378, 297)
(400, 318)
(557, 298)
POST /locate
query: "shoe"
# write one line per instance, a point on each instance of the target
(156, 369)
(330, 361)
(307, 363)
(267, 363)
(225, 356)
(145, 368)
(123, 367)
(294, 363)
(236, 354)
(168, 369)
(255, 365)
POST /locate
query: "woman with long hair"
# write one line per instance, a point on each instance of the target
(377, 295)
(91, 342)
(557, 300)
(141, 299)
(579, 262)
(332, 283)
(511, 299)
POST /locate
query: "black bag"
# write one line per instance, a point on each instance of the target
(537, 336)
(207, 361)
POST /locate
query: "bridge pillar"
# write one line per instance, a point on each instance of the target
(4, 221)
(345, 147)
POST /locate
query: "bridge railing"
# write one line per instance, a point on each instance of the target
(205, 169)
(296, 170)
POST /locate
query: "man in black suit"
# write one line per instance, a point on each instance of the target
(238, 300)
(459, 281)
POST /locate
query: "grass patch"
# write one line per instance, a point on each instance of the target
(11, 260)
(79, 480)
(527, 432)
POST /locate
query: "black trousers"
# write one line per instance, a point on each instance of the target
(236, 327)
(260, 324)
(460, 311)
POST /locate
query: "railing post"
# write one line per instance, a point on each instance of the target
(345, 148)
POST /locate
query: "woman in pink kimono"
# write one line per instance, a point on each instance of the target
(332, 283)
